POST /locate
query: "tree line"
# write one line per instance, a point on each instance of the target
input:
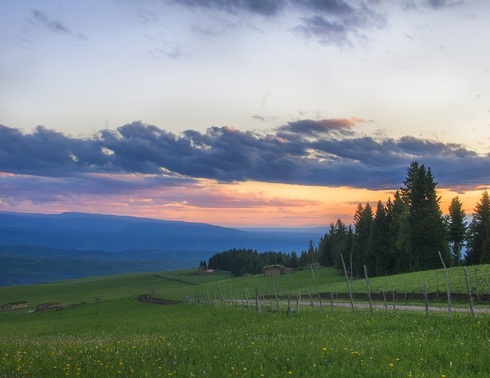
(248, 261)
(409, 233)
(405, 234)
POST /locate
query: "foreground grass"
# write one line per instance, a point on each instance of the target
(109, 333)
(127, 338)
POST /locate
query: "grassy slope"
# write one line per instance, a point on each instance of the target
(178, 284)
(114, 334)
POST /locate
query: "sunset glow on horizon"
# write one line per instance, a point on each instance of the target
(241, 113)
(248, 204)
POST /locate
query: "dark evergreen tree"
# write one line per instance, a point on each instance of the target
(303, 259)
(362, 252)
(479, 233)
(325, 251)
(311, 254)
(341, 243)
(427, 228)
(383, 260)
(398, 224)
(242, 261)
(294, 261)
(457, 227)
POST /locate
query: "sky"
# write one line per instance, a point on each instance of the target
(240, 113)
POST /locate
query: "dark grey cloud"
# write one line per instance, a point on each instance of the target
(338, 22)
(301, 152)
(260, 7)
(432, 4)
(326, 31)
(40, 18)
(310, 127)
(327, 21)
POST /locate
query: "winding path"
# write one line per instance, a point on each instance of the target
(147, 298)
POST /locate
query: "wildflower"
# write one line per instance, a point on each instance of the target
(391, 365)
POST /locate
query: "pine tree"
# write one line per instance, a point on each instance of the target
(363, 239)
(311, 254)
(341, 242)
(427, 229)
(479, 233)
(294, 261)
(381, 241)
(398, 224)
(456, 222)
(325, 252)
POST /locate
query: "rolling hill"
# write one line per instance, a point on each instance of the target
(44, 247)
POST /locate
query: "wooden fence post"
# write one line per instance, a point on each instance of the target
(347, 282)
(447, 286)
(477, 286)
(221, 296)
(437, 284)
(368, 289)
(426, 298)
(384, 300)
(469, 291)
(317, 288)
(246, 297)
(393, 298)
(276, 294)
(257, 301)
(231, 296)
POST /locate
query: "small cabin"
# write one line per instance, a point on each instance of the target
(207, 272)
(48, 306)
(275, 270)
(271, 271)
(14, 305)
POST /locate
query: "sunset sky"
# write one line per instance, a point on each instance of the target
(240, 113)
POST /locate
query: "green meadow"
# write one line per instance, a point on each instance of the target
(105, 331)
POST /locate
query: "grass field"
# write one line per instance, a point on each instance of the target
(107, 332)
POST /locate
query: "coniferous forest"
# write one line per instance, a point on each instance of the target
(406, 233)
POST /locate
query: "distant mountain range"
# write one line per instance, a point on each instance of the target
(40, 247)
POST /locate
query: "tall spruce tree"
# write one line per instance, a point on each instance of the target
(456, 232)
(399, 226)
(311, 254)
(341, 242)
(384, 263)
(362, 252)
(427, 228)
(479, 233)
(325, 250)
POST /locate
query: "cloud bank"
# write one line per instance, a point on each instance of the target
(338, 22)
(329, 152)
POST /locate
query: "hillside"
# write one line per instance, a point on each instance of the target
(104, 330)
(45, 247)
